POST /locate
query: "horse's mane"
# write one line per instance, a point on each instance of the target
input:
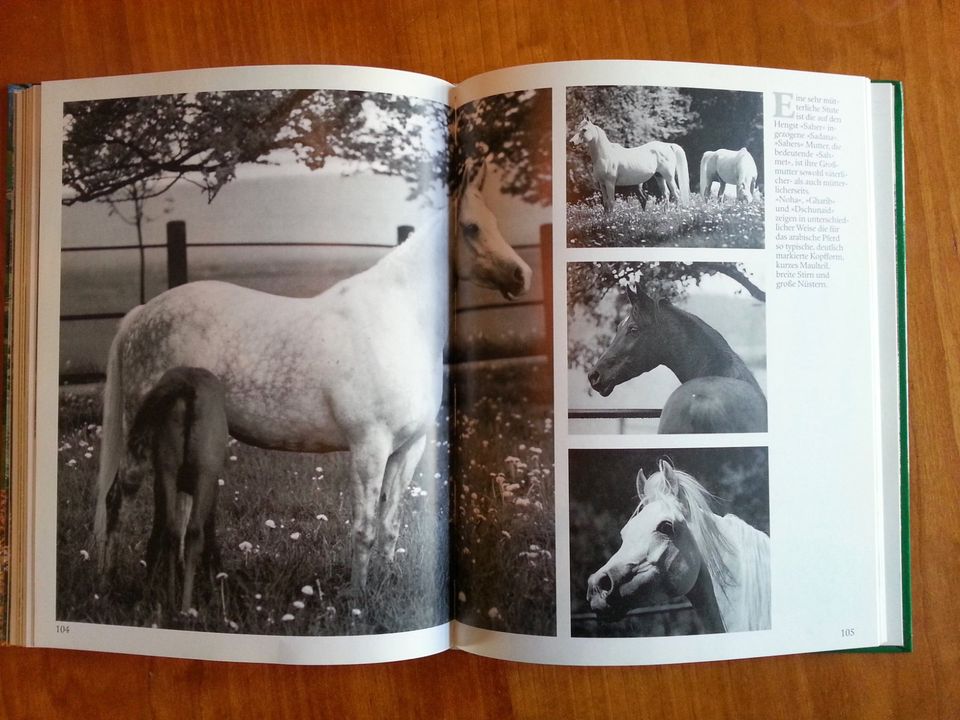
(691, 500)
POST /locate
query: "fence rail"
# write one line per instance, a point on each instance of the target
(614, 414)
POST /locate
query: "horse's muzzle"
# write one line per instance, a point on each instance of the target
(597, 383)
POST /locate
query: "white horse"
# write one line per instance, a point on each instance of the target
(358, 367)
(736, 167)
(614, 164)
(674, 545)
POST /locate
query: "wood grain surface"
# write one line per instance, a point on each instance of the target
(915, 42)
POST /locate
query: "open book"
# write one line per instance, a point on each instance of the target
(587, 363)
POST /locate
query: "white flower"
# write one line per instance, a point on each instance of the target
(233, 625)
(462, 596)
(307, 590)
(356, 612)
(233, 458)
(84, 555)
(299, 604)
(493, 613)
(294, 536)
(270, 524)
(222, 576)
(322, 518)
(287, 618)
(221, 482)
(245, 546)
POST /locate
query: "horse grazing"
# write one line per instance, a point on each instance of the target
(358, 367)
(674, 545)
(615, 165)
(180, 430)
(718, 393)
(736, 167)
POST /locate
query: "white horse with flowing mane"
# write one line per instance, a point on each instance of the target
(736, 167)
(614, 164)
(674, 545)
(358, 367)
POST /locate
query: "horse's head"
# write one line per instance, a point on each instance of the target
(586, 133)
(482, 256)
(658, 558)
(636, 348)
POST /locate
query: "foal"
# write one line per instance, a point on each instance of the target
(181, 429)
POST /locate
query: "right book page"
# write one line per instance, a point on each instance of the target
(715, 346)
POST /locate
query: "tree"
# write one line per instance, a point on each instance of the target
(512, 131)
(111, 145)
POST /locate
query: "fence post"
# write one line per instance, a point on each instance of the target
(546, 272)
(176, 253)
(403, 232)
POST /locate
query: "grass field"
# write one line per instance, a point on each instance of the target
(504, 484)
(285, 537)
(696, 224)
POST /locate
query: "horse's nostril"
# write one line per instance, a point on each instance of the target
(519, 275)
(604, 583)
(593, 376)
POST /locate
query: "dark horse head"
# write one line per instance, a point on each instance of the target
(638, 346)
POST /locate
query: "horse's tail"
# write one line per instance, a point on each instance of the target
(683, 173)
(705, 181)
(112, 448)
(184, 511)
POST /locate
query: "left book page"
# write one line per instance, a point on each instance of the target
(243, 314)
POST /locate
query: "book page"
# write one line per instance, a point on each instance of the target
(252, 465)
(715, 373)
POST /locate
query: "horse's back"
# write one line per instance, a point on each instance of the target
(714, 405)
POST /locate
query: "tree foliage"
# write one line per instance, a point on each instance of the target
(202, 138)
(512, 131)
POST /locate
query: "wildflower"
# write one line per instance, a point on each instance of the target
(72, 462)
(85, 555)
(462, 596)
(401, 551)
(493, 613)
(307, 590)
(233, 458)
(88, 455)
(222, 576)
(258, 596)
(294, 536)
(322, 518)
(192, 612)
(356, 612)
(270, 524)
(287, 618)
(505, 534)
(245, 546)
(143, 563)
(220, 482)
(233, 625)
(299, 604)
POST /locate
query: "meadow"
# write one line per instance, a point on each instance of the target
(503, 469)
(283, 526)
(696, 224)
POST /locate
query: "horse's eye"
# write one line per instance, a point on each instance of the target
(471, 229)
(665, 528)
(633, 330)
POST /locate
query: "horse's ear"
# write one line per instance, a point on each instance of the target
(640, 300)
(641, 482)
(669, 475)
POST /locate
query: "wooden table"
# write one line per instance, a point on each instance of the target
(915, 42)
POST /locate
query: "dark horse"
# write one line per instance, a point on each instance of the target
(718, 392)
(180, 431)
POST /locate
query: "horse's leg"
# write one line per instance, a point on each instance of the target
(367, 467)
(608, 191)
(661, 186)
(167, 482)
(196, 537)
(400, 469)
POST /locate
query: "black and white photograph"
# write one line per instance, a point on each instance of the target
(666, 348)
(502, 371)
(254, 321)
(669, 542)
(651, 166)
